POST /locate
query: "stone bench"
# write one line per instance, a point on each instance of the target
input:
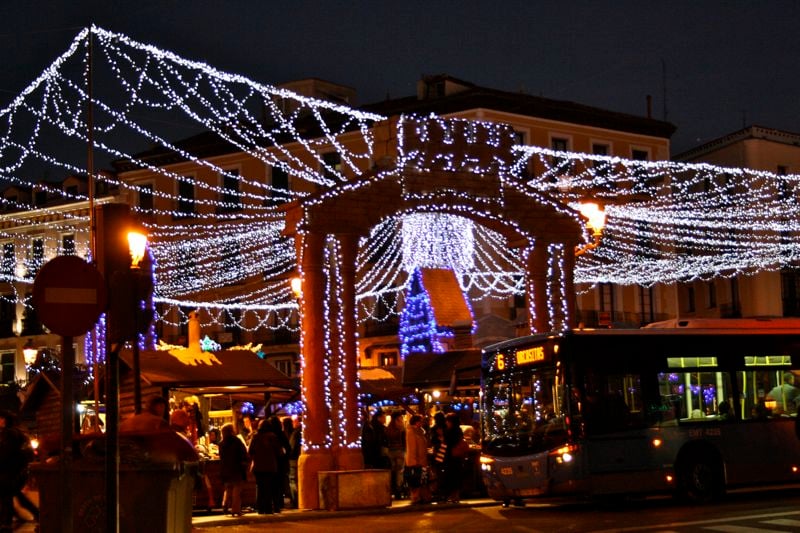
(354, 489)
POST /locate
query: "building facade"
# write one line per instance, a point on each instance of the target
(172, 191)
(561, 126)
(762, 294)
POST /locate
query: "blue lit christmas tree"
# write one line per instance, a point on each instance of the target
(418, 330)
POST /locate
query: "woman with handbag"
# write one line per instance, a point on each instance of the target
(416, 468)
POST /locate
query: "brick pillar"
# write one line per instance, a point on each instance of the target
(315, 456)
(536, 276)
(349, 455)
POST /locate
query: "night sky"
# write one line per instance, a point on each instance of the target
(721, 65)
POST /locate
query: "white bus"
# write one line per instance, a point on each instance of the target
(690, 407)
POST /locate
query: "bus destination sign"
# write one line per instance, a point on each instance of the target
(531, 355)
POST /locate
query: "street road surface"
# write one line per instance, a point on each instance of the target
(750, 512)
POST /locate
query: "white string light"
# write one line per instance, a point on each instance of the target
(667, 221)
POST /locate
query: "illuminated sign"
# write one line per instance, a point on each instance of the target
(531, 355)
(528, 356)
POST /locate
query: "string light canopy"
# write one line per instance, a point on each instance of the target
(669, 221)
(665, 221)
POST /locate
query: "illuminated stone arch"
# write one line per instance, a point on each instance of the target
(327, 227)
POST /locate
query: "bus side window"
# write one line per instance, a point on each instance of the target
(694, 396)
(768, 393)
(613, 403)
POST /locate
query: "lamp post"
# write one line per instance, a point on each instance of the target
(114, 261)
(595, 221)
(137, 245)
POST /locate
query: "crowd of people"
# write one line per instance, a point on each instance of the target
(270, 454)
(427, 461)
(267, 450)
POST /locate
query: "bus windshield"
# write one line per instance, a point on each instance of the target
(524, 412)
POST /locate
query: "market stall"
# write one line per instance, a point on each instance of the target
(229, 386)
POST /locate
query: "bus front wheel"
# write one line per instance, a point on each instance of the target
(701, 479)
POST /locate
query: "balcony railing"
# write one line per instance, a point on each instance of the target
(281, 336)
(384, 328)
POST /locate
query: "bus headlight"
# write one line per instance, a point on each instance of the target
(565, 454)
(486, 463)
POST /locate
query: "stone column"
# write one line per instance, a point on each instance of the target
(315, 456)
(536, 276)
(349, 455)
(571, 318)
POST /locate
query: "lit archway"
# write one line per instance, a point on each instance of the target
(471, 182)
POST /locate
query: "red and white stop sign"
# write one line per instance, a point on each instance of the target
(69, 295)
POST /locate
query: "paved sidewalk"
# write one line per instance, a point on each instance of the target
(217, 519)
(211, 519)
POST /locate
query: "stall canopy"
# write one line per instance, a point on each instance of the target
(457, 368)
(217, 372)
(382, 384)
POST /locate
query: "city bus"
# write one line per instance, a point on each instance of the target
(688, 407)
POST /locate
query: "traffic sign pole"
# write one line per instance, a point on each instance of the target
(69, 295)
(67, 408)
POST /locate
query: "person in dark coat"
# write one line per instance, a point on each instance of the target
(396, 444)
(438, 422)
(453, 462)
(265, 453)
(373, 442)
(439, 448)
(283, 459)
(233, 469)
(295, 447)
(15, 454)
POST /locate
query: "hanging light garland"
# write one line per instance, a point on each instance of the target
(666, 221)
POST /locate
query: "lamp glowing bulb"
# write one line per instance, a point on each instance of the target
(596, 217)
(137, 244)
(297, 286)
(29, 353)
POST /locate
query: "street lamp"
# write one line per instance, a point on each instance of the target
(595, 221)
(29, 352)
(137, 244)
(297, 286)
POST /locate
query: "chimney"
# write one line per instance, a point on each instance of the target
(422, 89)
(194, 331)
